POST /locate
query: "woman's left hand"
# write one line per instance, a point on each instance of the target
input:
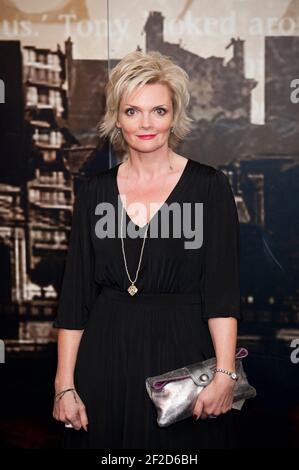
(216, 398)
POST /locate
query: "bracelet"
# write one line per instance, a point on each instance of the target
(59, 395)
(232, 375)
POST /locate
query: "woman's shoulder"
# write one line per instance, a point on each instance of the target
(209, 173)
(206, 174)
(204, 169)
(207, 180)
(94, 188)
(97, 180)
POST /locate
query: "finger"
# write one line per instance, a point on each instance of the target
(74, 421)
(211, 412)
(83, 417)
(77, 424)
(203, 413)
(198, 409)
(227, 406)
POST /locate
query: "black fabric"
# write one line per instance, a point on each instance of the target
(127, 339)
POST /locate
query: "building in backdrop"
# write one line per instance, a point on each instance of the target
(59, 101)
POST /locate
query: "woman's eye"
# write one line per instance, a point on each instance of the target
(163, 111)
(127, 111)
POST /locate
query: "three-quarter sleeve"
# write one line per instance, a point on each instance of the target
(78, 290)
(221, 251)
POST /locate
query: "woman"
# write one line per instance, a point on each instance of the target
(133, 305)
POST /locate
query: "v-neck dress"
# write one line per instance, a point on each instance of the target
(164, 326)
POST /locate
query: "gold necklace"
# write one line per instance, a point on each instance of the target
(132, 289)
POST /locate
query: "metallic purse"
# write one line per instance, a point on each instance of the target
(175, 393)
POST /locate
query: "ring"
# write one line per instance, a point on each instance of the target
(68, 425)
(212, 416)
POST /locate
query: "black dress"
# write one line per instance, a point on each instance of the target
(162, 327)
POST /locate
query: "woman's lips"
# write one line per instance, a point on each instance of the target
(146, 136)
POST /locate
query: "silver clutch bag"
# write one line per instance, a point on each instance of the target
(175, 393)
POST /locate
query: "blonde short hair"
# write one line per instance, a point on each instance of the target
(136, 69)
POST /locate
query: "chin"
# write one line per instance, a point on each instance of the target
(144, 147)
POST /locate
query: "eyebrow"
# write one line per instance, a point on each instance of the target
(132, 106)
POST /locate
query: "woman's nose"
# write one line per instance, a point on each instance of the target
(145, 122)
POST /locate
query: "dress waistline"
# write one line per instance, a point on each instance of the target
(153, 297)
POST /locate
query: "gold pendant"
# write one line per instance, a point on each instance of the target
(132, 289)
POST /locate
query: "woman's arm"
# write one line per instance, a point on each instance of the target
(217, 397)
(224, 336)
(67, 348)
(77, 296)
(69, 408)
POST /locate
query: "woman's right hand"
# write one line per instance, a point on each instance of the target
(71, 410)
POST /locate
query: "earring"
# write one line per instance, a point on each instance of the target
(118, 130)
(171, 129)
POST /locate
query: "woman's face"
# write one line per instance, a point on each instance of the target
(146, 112)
